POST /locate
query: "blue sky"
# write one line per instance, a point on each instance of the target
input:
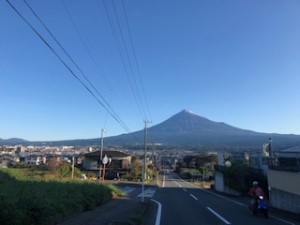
(230, 61)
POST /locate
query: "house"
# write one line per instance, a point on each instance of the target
(8, 159)
(282, 170)
(254, 162)
(119, 163)
(35, 160)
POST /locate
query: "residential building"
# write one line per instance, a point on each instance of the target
(119, 162)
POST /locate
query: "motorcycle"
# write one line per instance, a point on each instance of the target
(259, 207)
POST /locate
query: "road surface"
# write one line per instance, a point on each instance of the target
(184, 203)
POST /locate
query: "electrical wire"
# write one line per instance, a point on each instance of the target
(135, 57)
(135, 94)
(120, 122)
(75, 64)
(91, 55)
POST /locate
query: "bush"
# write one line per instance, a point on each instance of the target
(186, 175)
(33, 202)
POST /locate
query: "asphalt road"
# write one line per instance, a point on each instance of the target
(184, 203)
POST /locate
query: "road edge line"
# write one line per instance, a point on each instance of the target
(158, 214)
(236, 202)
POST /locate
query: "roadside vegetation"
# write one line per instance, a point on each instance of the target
(201, 168)
(135, 173)
(45, 196)
(196, 166)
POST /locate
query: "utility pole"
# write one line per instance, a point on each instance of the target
(270, 148)
(101, 150)
(73, 165)
(271, 154)
(144, 166)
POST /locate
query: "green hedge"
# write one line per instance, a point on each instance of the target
(36, 202)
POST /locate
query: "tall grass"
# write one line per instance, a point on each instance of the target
(27, 200)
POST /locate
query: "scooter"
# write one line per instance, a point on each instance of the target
(259, 207)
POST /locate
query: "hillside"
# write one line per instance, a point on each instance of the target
(12, 141)
(188, 130)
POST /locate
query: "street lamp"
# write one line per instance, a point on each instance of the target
(105, 160)
(227, 164)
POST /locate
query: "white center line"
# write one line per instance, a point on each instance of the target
(236, 202)
(179, 185)
(193, 197)
(218, 215)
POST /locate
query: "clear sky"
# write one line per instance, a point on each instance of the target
(236, 62)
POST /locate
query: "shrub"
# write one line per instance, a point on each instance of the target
(24, 200)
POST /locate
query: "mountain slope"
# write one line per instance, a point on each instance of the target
(186, 122)
(189, 130)
(12, 141)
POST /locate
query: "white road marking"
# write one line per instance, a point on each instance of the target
(218, 215)
(184, 189)
(127, 189)
(193, 197)
(158, 215)
(236, 202)
(179, 185)
(149, 192)
(282, 220)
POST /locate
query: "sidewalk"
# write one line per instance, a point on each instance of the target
(118, 211)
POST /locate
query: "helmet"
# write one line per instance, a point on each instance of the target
(255, 183)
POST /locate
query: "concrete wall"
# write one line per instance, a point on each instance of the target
(221, 186)
(285, 181)
(284, 200)
(219, 181)
(284, 190)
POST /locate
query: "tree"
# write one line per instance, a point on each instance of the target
(136, 169)
(52, 164)
(64, 169)
(236, 175)
(179, 165)
(188, 160)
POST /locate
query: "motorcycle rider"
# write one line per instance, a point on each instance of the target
(255, 192)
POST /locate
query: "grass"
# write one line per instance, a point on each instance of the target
(29, 198)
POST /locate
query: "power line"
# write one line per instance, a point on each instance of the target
(67, 67)
(121, 55)
(75, 64)
(91, 55)
(126, 52)
(135, 57)
(130, 62)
